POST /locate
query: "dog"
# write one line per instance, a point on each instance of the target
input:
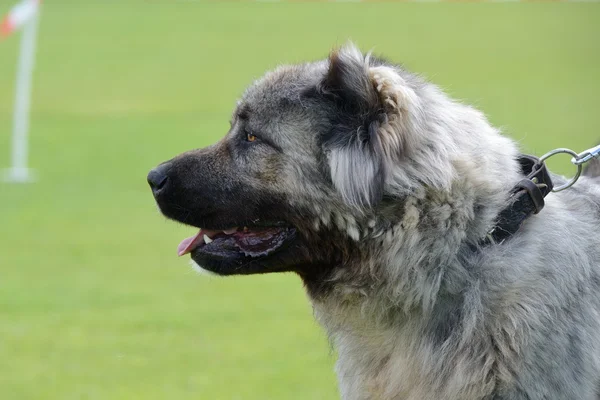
(381, 193)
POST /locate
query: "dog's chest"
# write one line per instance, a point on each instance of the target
(397, 362)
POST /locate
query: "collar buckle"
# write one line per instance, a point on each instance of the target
(527, 198)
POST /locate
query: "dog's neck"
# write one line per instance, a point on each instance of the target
(414, 249)
(409, 282)
(413, 253)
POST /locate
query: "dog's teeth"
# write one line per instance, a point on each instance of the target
(207, 240)
(230, 231)
(246, 229)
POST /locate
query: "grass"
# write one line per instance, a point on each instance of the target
(94, 304)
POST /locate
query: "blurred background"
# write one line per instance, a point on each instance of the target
(94, 303)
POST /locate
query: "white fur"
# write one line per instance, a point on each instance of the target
(201, 270)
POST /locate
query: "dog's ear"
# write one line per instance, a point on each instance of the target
(348, 81)
(354, 146)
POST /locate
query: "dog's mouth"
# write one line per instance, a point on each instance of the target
(236, 242)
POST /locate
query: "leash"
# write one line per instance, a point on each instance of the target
(527, 196)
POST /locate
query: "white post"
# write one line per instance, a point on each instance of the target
(18, 171)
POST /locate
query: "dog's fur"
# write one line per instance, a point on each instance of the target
(390, 186)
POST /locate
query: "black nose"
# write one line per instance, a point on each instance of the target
(158, 178)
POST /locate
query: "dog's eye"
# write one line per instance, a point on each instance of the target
(250, 137)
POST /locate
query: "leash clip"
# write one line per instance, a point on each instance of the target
(586, 155)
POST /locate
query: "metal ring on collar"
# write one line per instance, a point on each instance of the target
(579, 167)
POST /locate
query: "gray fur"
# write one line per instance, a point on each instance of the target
(391, 185)
(593, 168)
(421, 317)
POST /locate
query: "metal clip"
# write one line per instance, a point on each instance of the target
(586, 155)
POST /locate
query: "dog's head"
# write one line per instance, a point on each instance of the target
(318, 157)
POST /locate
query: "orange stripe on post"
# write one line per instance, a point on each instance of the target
(6, 28)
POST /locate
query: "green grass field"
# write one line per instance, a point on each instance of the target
(94, 303)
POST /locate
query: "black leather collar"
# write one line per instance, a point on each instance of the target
(526, 199)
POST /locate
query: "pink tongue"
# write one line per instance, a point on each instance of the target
(188, 245)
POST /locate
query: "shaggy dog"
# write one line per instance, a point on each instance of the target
(379, 191)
